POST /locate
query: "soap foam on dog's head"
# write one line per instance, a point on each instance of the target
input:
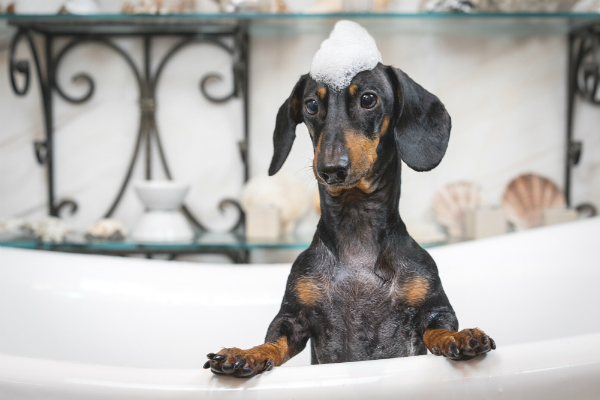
(349, 50)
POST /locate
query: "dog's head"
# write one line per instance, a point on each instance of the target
(381, 108)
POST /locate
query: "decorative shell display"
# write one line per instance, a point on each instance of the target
(48, 229)
(11, 225)
(158, 6)
(503, 6)
(527, 196)
(106, 229)
(452, 203)
(283, 191)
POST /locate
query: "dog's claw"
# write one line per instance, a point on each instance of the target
(206, 365)
(219, 357)
(453, 351)
(210, 356)
(435, 350)
(228, 368)
(269, 365)
(239, 363)
(492, 344)
(484, 339)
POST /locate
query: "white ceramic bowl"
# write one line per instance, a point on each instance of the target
(161, 195)
(163, 227)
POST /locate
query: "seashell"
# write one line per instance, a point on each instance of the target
(527, 196)
(158, 6)
(283, 191)
(48, 229)
(106, 229)
(452, 203)
(10, 225)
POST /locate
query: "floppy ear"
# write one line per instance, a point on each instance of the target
(289, 115)
(423, 125)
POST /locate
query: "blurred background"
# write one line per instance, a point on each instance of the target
(502, 68)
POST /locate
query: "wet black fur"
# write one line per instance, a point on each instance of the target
(361, 254)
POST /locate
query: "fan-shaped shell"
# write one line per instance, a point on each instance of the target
(527, 196)
(452, 203)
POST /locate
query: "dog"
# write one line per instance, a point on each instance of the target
(364, 289)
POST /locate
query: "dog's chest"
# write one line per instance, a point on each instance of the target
(359, 319)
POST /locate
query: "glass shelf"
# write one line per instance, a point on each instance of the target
(270, 23)
(203, 243)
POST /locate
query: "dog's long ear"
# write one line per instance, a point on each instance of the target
(423, 125)
(289, 115)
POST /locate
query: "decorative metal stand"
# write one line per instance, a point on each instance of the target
(101, 32)
(584, 80)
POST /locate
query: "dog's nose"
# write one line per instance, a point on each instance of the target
(334, 173)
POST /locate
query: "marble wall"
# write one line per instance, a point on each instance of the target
(506, 94)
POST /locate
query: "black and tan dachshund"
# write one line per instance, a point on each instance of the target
(364, 289)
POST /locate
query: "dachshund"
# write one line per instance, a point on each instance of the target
(364, 289)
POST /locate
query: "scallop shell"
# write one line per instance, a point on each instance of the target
(527, 196)
(452, 203)
(106, 229)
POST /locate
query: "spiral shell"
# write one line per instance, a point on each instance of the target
(452, 203)
(527, 196)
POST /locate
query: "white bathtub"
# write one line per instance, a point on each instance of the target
(90, 327)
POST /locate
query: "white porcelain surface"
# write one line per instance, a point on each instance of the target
(161, 195)
(91, 327)
(162, 226)
(162, 222)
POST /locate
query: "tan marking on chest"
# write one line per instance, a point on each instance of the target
(414, 291)
(308, 291)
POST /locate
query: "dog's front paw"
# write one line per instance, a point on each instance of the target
(238, 363)
(462, 345)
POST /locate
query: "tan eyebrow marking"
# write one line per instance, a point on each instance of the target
(352, 89)
(321, 92)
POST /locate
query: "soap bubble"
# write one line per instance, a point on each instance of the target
(348, 50)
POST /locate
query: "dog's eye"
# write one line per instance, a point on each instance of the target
(368, 100)
(311, 107)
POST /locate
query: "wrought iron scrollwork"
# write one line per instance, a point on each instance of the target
(584, 80)
(147, 83)
(22, 66)
(209, 77)
(241, 219)
(83, 77)
(67, 203)
(42, 149)
(587, 64)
